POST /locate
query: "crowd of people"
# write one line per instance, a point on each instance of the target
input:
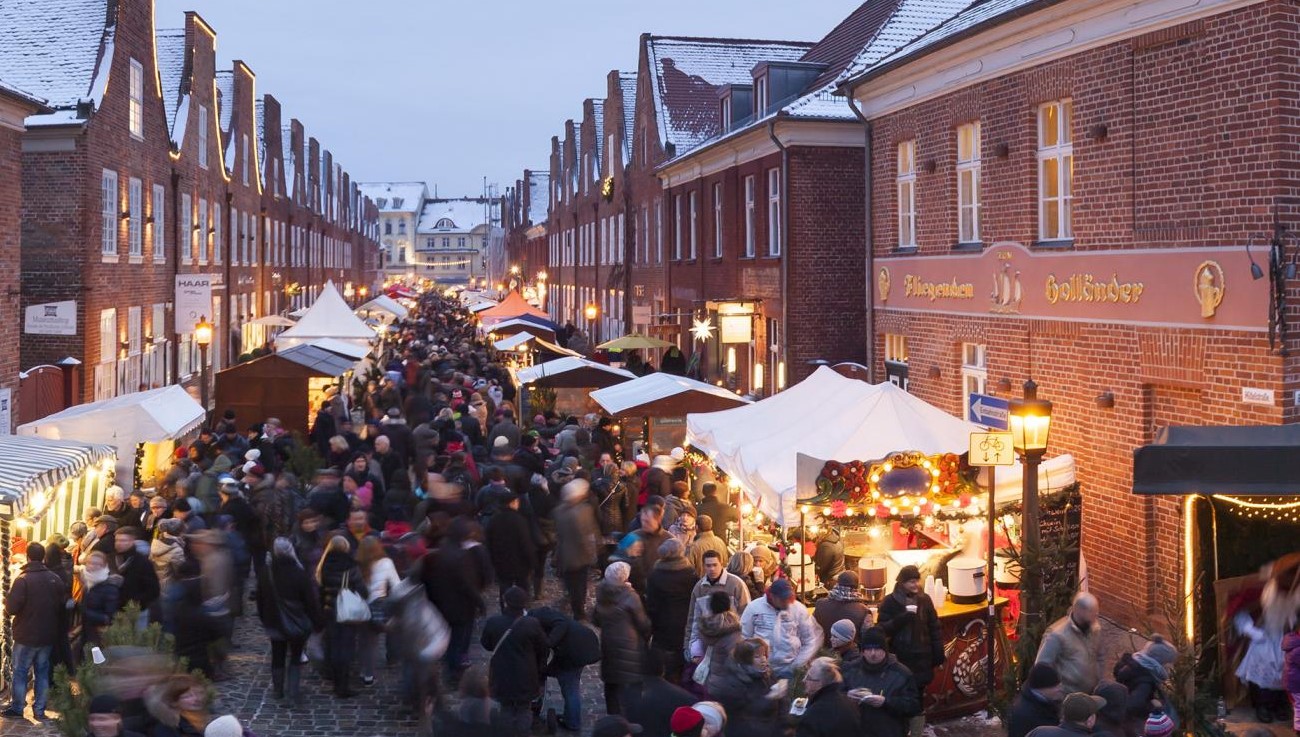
(436, 508)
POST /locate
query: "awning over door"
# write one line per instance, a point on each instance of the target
(1243, 461)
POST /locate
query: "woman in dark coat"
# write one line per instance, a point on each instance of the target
(668, 602)
(336, 568)
(197, 630)
(624, 628)
(101, 598)
(745, 690)
(454, 577)
(289, 607)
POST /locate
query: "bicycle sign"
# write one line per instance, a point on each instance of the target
(991, 449)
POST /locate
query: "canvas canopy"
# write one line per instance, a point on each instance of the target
(1245, 460)
(830, 417)
(34, 464)
(572, 372)
(150, 416)
(518, 325)
(514, 305)
(514, 341)
(664, 395)
(387, 304)
(342, 347)
(328, 317)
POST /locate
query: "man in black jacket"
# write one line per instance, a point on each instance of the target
(139, 580)
(910, 620)
(652, 702)
(1038, 704)
(574, 646)
(35, 601)
(511, 546)
(516, 671)
(886, 693)
(828, 713)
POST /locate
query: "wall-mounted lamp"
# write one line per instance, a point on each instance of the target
(1098, 132)
(930, 165)
(1106, 400)
(126, 215)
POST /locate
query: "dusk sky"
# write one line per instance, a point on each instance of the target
(450, 92)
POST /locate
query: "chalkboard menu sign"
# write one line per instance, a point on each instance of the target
(1061, 523)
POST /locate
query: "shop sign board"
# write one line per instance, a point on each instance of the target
(988, 411)
(991, 449)
(1252, 395)
(51, 318)
(193, 301)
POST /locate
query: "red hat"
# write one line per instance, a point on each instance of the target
(686, 722)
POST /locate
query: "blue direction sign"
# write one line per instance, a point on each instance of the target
(988, 411)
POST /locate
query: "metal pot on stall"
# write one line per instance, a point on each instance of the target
(967, 580)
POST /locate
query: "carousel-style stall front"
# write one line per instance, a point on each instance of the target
(651, 410)
(834, 460)
(45, 485)
(145, 428)
(1239, 490)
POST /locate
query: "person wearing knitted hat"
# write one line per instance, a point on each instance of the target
(1038, 703)
(715, 718)
(624, 628)
(845, 602)
(786, 624)
(1158, 724)
(884, 689)
(1078, 716)
(1144, 673)
(844, 641)
(224, 726)
(686, 722)
(909, 618)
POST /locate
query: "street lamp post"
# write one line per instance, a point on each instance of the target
(1030, 420)
(591, 312)
(203, 337)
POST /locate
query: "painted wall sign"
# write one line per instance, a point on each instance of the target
(1252, 395)
(51, 318)
(1184, 287)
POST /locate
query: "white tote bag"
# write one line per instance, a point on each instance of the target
(349, 606)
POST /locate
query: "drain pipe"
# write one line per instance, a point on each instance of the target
(870, 290)
(785, 258)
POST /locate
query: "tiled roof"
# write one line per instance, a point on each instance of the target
(627, 85)
(464, 214)
(598, 145)
(290, 161)
(12, 91)
(688, 72)
(539, 197)
(225, 98)
(171, 69)
(52, 49)
(259, 120)
(396, 196)
(913, 21)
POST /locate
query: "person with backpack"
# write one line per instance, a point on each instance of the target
(574, 646)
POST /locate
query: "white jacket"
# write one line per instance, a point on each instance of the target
(383, 577)
(792, 633)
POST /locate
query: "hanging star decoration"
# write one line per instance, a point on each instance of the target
(702, 330)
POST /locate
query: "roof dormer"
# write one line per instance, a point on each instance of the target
(735, 105)
(779, 82)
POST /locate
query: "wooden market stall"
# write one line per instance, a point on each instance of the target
(572, 378)
(652, 409)
(45, 485)
(289, 384)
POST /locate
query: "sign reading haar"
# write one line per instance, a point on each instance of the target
(1192, 287)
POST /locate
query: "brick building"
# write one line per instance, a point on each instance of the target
(15, 107)
(149, 166)
(526, 206)
(1068, 192)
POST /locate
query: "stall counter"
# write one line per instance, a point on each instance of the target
(960, 685)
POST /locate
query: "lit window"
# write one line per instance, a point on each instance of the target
(135, 223)
(751, 185)
(968, 183)
(159, 210)
(136, 111)
(896, 348)
(108, 212)
(1055, 171)
(907, 194)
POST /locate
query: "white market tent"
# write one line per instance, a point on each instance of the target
(831, 417)
(573, 372)
(511, 342)
(342, 347)
(480, 306)
(384, 303)
(328, 317)
(153, 416)
(662, 389)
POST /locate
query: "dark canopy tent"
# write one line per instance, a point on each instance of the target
(1245, 461)
(278, 385)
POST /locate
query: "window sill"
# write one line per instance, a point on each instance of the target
(747, 257)
(160, 260)
(135, 259)
(905, 249)
(106, 258)
(1057, 244)
(968, 246)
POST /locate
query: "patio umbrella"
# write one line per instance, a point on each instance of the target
(633, 342)
(273, 321)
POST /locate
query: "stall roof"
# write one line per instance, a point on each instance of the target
(34, 464)
(328, 317)
(514, 341)
(480, 306)
(518, 323)
(343, 348)
(546, 345)
(573, 372)
(514, 305)
(826, 416)
(387, 304)
(1242, 460)
(665, 395)
(145, 417)
(320, 360)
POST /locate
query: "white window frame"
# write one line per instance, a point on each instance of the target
(158, 323)
(896, 347)
(659, 230)
(234, 236)
(135, 221)
(751, 215)
(135, 112)
(968, 183)
(677, 227)
(217, 221)
(134, 330)
(726, 114)
(695, 222)
(109, 214)
(974, 373)
(717, 219)
(158, 230)
(108, 335)
(906, 187)
(643, 236)
(187, 225)
(774, 212)
(204, 240)
(760, 97)
(244, 159)
(1056, 147)
(203, 136)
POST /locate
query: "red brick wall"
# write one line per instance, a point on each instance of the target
(11, 316)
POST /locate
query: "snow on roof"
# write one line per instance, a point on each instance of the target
(627, 85)
(396, 196)
(290, 161)
(12, 91)
(598, 145)
(464, 215)
(54, 49)
(913, 22)
(259, 120)
(225, 98)
(689, 71)
(171, 69)
(539, 197)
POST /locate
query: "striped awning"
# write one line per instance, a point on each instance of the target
(30, 464)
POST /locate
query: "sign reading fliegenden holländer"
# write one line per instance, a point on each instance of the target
(193, 300)
(1191, 287)
(51, 318)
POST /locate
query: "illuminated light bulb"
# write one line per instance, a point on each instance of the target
(873, 533)
(758, 517)
(871, 511)
(929, 521)
(934, 488)
(747, 509)
(813, 529)
(887, 467)
(875, 495)
(826, 510)
(926, 463)
(23, 523)
(804, 509)
(875, 478)
(916, 510)
(936, 472)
